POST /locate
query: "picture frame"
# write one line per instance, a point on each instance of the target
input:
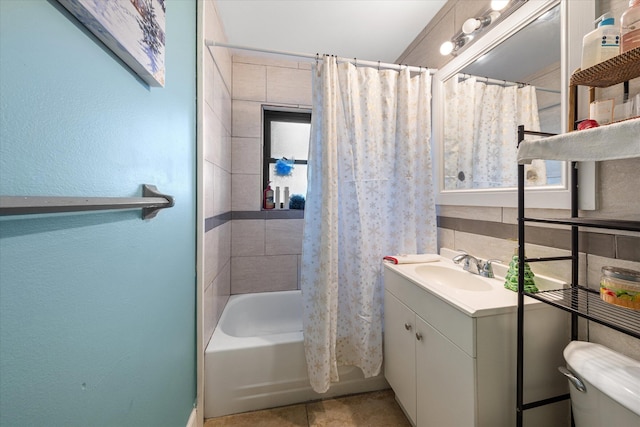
(133, 29)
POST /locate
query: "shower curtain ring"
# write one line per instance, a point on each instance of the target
(355, 62)
(378, 65)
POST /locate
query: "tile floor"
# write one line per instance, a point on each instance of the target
(376, 409)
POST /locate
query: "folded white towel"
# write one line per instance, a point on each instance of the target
(412, 259)
(615, 141)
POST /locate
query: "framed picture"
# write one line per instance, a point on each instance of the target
(133, 29)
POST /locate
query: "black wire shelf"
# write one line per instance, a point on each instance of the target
(623, 225)
(587, 303)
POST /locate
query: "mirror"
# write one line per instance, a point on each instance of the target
(516, 73)
(517, 82)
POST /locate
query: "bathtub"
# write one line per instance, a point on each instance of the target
(255, 359)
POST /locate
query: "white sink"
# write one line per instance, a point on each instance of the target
(474, 295)
(447, 276)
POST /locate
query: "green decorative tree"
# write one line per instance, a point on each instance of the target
(511, 280)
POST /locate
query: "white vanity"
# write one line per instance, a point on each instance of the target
(450, 348)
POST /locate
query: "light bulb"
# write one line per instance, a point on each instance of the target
(470, 25)
(499, 4)
(446, 48)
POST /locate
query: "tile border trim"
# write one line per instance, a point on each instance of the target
(216, 221)
(601, 244)
(221, 219)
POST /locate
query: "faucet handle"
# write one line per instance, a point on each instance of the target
(487, 268)
(463, 255)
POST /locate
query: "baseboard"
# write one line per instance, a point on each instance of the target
(193, 418)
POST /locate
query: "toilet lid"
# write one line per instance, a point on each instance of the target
(614, 374)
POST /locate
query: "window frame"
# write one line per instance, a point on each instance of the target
(269, 116)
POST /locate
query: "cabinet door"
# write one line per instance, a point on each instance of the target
(445, 381)
(399, 352)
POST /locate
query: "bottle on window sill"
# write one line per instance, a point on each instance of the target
(286, 197)
(267, 200)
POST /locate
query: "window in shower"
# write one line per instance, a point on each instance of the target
(286, 150)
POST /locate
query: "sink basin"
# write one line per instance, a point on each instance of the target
(452, 278)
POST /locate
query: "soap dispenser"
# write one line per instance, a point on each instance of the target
(602, 43)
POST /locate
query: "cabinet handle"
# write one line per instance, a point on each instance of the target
(418, 336)
(407, 326)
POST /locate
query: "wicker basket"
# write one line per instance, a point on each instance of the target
(616, 70)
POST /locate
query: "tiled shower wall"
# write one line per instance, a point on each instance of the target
(246, 249)
(217, 172)
(490, 232)
(265, 245)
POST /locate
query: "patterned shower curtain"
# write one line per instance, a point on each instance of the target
(369, 194)
(481, 135)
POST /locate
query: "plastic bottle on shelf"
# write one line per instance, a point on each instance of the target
(630, 27)
(267, 199)
(602, 43)
(286, 197)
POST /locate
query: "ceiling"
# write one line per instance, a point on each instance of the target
(375, 30)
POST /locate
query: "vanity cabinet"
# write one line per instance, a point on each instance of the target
(449, 367)
(425, 369)
(442, 364)
(400, 352)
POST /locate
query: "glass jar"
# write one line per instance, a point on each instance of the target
(620, 286)
(630, 27)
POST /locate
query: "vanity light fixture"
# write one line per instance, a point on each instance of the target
(450, 47)
(446, 48)
(473, 26)
(499, 4)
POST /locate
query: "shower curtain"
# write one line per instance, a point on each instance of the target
(369, 194)
(481, 136)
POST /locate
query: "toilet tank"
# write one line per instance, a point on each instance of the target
(612, 382)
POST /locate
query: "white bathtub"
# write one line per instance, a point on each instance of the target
(255, 359)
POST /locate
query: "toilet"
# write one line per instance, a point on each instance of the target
(611, 383)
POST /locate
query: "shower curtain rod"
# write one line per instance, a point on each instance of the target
(355, 61)
(504, 82)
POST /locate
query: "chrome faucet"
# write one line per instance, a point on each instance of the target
(471, 263)
(474, 265)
